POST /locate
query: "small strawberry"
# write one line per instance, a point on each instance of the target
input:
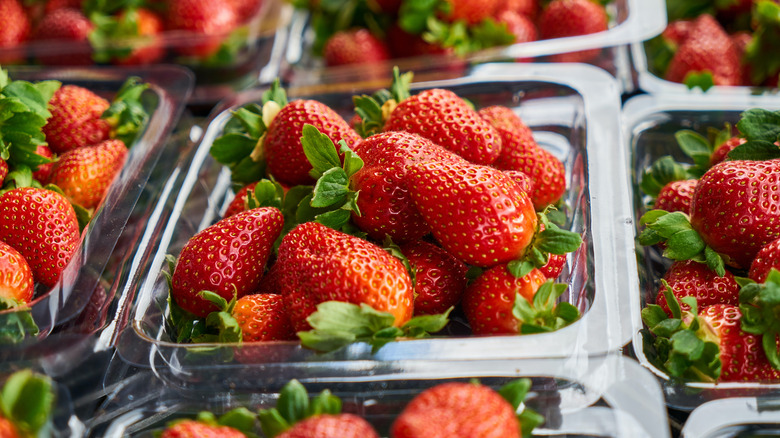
(676, 196)
(354, 46)
(439, 278)
(262, 317)
(14, 29)
(227, 258)
(568, 18)
(768, 257)
(76, 119)
(16, 277)
(42, 174)
(722, 150)
(85, 174)
(67, 26)
(3, 170)
(519, 25)
(48, 245)
(554, 266)
(208, 21)
(197, 429)
(694, 279)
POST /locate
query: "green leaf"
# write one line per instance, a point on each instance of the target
(424, 325)
(325, 403)
(758, 124)
(293, 402)
(520, 269)
(703, 80)
(714, 261)
(352, 162)
(276, 93)
(241, 419)
(695, 146)
(335, 219)
(671, 300)
(18, 325)
(232, 148)
(319, 150)
(686, 343)
(127, 115)
(272, 423)
(684, 245)
(755, 150)
(251, 121)
(515, 392)
(331, 188)
(413, 14)
(529, 420)
(26, 399)
(652, 315)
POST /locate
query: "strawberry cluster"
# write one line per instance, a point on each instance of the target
(372, 31)
(718, 43)
(716, 220)
(379, 229)
(83, 32)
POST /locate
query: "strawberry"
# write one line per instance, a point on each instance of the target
(7, 428)
(331, 426)
(439, 278)
(238, 204)
(519, 25)
(722, 150)
(76, 119)
(708, 51)
(3, 170)
(86, 173)
(522, 180)
(69, 26)
(694, 279)
(319, 264)
(262, 318)
(282, 146)
(444, 118)
(677, 31)
(472, 11)
(42, 174)
(16, 277)
(529, 8)
(227, 258)
(208, 21)
(51, 242)
(521, 152)
(14, 28)
(140, 28)
(568, 18)
(197, 429)
(354, 46)
(676, 196)
(554, 266)
(768, 257)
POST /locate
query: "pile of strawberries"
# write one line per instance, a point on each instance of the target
(445, 410)
(716, 222)
(83, 32)
(718, 43)
(366, 31)
(377, 229)
(62, 147)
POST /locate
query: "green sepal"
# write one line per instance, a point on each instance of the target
(515, 392)
(551, 240)
(294, 406)
(698, 148)
(543, 314)
(520, 269)
(324, 403)
(331, 188)
(413, 14)
(422, 326)
(127, 115)
(760, 304)
(18, 325)
(371, 109)
(220, 325)
(275, 93)
(755, 150)
(394, 250)
(241, 419)
(27, 399)
(661, 172)
(660, 52)
(703, 80)
(320, 150)
(760, 124)
(679, 9)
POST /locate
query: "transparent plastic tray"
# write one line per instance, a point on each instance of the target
(574, 111)
(630, 21)
(63, 304)
(738, 417)
(609, 396)
(650, 123)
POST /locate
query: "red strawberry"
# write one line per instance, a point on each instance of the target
(521, 152)
(676, 196)
(16, 277)
(42, 226)
(472, 11)
(52, 5)
(554, 266)
(354, 46)
(477, 213)
(209, 21)
(529, 8)
(331, 426)
(238, 204)
(707, 49)
(439, 278)
(70, 28)
(723, 149)
(197, 429)
(86, 173)
(457, 410)
(262, 318)
(42, 174)
(319, 264)
(568, 18)
(7, 428)
(693, 279)
(768, 257)
(522, 180)
(147, 44)
(444, 118)
(14, 28)
(3, 170)
(518, 25)
(677, 31)
(75, 119)
(226, 258)
(282, 146)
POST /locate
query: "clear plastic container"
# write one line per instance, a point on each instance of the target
(650, 122)
(630, 21)
(738, 417)
(82, 284)
(609, 396)
(573, 110)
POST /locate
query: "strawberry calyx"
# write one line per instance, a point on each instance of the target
(465, 39)
(110, 39)
(685, 345)
(293, 406)
(374, 110)
(17, 325)
(702, 79)
(127, 114)
(760, 307)
(762, 130)
(663, 171)
(544, 313)
(682, 241)
(26, 400)
(337, 324)
(515, 392)
(548, 239)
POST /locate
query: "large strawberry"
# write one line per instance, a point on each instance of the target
(85, 174)
(70, 29)
(319, 264)
(569, 18)
(354, 46)
(16, 277)
(439, 278)
(208, 21)
(14, 28)
(76, 119)
(227, 258)
(694, 279)
(42, 226)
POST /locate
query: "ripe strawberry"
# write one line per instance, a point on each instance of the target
(262, 318)
(52, 5)
(42, 226)
(521, 152)
(477, 213)
(707, 49)
(227, 258)
(16, 277)
(7, 428)
(238, 204)
(554, 266)
(444, 118)
(208, 21)
(439, 278)
(354, 46)
(197, 429)
(319, 264)
(472, 11)
(567, 18)
(86, 173)
(677, 31)
(723, 149)
(519, 25)
(42, 174)
(3, 170)
(676, 196)
(522, 180)
(282, 146)
(768, 257)
(457, 410)
(148, 46)
(529, 8)
(75, 119)
(694, 279)
(68, 26)
(331, 426)
(14, 28)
